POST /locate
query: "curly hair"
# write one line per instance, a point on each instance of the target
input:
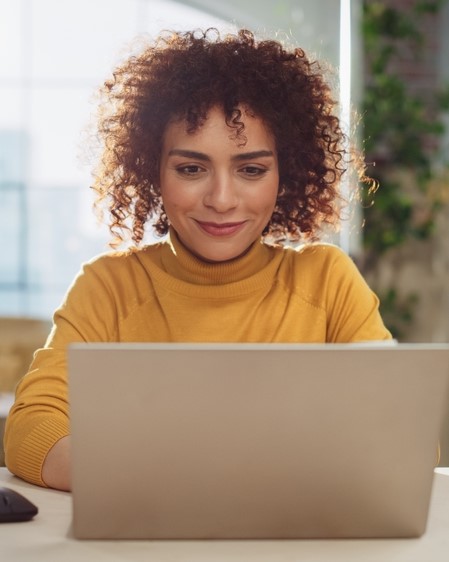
(182, 75)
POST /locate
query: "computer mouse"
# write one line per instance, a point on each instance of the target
(15, 507)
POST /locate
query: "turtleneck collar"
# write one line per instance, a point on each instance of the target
(179, 262)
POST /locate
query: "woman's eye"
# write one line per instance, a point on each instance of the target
(253, 171)
(189, 170)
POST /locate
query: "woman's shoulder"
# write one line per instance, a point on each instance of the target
(112, 279)
(314, 267)
(317, 254)
(115, 270)
(133, 257)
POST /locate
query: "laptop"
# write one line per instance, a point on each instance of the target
(254, 441)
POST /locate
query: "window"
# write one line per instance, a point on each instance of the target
(54, 55)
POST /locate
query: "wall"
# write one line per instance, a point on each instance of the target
(422, 267)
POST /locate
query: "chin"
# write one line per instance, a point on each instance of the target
(219, 257)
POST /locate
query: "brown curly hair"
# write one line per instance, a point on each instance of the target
(183, 75)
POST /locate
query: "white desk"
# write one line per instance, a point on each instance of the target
(48, 538)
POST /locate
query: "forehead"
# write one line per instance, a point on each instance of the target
(249, 130)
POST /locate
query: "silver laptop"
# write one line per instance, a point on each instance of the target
(249, 441)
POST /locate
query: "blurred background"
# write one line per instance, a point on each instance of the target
(390, 62)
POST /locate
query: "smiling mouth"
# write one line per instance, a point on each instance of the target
(220, 229)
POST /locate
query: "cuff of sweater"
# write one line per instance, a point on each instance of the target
(34, 449)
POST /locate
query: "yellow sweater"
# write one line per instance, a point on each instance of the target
(163, 294)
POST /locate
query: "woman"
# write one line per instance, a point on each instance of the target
(230, 146)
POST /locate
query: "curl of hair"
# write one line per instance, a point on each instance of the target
(183, 75)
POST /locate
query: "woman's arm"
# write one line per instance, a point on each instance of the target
(353, 308)
(36, 448)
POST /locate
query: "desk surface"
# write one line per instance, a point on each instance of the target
(48, 537)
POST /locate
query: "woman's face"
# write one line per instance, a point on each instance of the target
(219, 196)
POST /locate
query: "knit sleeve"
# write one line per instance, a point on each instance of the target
(39, 416)
(352, 308)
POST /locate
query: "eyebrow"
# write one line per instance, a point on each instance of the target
(201, 156)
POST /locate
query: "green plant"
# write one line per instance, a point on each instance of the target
(402, 131)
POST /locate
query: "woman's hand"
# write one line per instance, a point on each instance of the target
(56, 467)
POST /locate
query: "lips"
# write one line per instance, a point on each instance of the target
(220, 229)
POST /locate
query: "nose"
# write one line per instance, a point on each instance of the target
(221, 194)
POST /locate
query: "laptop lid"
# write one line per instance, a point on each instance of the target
(175, 441)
